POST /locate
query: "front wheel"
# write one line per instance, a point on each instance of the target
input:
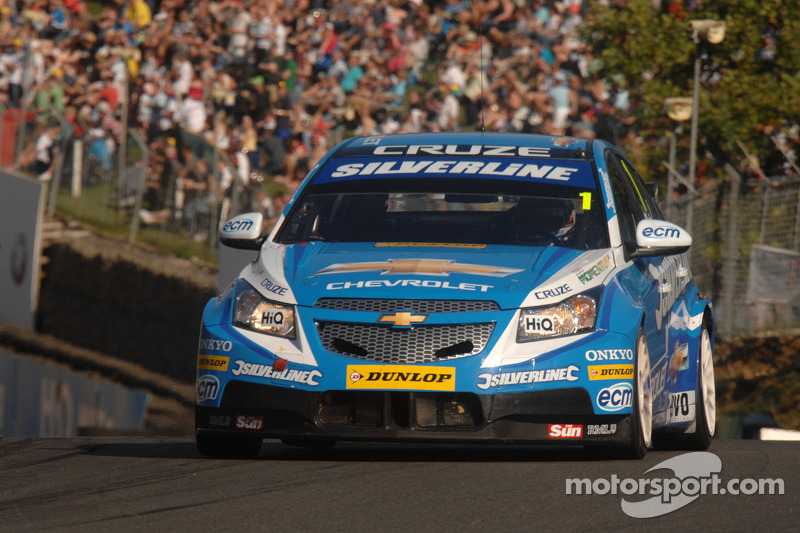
(229, 446)
(642, 418)
(707, 395)
(706, 404)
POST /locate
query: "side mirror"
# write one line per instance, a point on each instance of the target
(659, 237)
(243, 231)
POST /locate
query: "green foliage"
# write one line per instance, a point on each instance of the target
(95, 7)
(96, 210)
(742, 98)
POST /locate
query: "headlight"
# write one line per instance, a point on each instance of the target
(254, 312)
(575, 315)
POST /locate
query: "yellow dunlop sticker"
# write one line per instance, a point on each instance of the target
(212, 362)
(441, 378)
(610, 372)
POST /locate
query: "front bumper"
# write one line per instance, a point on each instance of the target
(356, 415)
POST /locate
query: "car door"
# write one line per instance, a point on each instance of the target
(656, 281)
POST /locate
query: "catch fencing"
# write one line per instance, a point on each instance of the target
(746, 250)
(109, 182)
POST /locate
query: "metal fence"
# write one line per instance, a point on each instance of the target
(746, 251)
(116, 190)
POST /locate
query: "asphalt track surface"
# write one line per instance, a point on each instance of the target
(139, 484)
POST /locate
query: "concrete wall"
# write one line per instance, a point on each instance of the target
(125, 302)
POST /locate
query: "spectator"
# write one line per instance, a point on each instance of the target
(607, 126)
(100, 156)
(260, 100)
(417, 116)
(338, 68)
(354, 74)
(58, 25)
(283, 112)
(145, 105)
(273, 148)
(191, 116)
(165, 105)
(49, 96)
(184, 72)
(297, 163)
(564, 103)
(109, 122)
(139, 13)
(447, 119)
(249, 138)
(220, 136)
(15, 65)
(39, 157)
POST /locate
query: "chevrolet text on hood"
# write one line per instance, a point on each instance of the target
(469, 286)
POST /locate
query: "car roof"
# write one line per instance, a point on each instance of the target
(561, 147)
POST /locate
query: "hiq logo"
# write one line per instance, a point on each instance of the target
(272, 318)
(207, 388)
(615, 397)
(535, 325)
(238, 225)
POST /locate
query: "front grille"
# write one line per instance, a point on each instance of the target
(418, 306)
(420, 344)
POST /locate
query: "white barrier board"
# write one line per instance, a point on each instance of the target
(38, 399)
(21, 209)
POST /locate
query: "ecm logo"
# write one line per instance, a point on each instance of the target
(237, 225)
(207, 388)
(661, 232)
(615, 397)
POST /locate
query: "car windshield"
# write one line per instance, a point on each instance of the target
(443, 212)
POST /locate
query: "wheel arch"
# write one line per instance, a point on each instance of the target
(708, 321)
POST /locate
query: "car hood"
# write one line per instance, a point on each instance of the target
(508, 275)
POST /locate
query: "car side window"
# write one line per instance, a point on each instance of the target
(649, 204)
(630, 209)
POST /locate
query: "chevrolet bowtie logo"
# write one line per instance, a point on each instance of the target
(403, 319)
(434, 267)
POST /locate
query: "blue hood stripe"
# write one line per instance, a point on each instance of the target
(552, 255)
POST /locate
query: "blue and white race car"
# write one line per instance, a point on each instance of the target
(460, 287)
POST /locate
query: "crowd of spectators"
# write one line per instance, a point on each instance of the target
(258, 90)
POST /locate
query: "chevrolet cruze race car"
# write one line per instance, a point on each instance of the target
(467, 287)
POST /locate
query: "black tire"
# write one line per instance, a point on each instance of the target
(229, 446)
(705, 406)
